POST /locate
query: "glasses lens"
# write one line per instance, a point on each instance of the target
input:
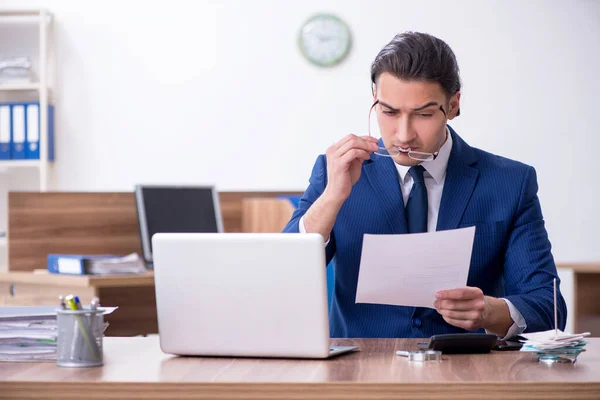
(382, 151)
(418, 156)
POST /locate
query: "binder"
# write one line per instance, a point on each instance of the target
(18, 131)
(72, 264)
(32, 127)
(82, 264)
(5, 125)
(50, 132)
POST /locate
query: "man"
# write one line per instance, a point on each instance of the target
(430, 179)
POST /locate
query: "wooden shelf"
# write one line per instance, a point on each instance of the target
(43, 277)
(19, 86)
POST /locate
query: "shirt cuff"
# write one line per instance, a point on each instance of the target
(519, 324)
(302, 229)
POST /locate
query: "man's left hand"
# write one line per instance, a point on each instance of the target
(465, 308)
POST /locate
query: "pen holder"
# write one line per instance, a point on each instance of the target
(79, 341)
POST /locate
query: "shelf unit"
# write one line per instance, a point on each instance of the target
(19, 86)
(42, 88)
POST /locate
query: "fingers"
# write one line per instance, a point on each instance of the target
(471, 315)
(355, 154)
(460, 305)
(355, 142)
(464, 307)
(468, 325)
(465, 293)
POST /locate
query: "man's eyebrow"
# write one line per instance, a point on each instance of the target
(388, 106)
(431, 103)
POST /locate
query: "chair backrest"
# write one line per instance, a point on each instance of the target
(330, 269)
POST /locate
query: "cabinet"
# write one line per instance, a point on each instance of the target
(30, 35)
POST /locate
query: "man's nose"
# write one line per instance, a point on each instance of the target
(404, 131)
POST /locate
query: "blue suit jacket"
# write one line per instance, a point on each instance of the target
(511, 255)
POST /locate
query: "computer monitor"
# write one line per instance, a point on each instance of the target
(175, 209)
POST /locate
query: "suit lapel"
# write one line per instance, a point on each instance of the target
(382, 174)
(459, 184)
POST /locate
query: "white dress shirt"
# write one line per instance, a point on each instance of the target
(435, 175)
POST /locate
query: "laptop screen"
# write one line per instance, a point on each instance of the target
(179, 209)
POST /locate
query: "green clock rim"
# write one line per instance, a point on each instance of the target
(336, 60)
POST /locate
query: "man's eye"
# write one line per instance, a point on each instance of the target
(389, 112)
(425, 115)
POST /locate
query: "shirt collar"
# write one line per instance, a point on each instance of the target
(435, 168)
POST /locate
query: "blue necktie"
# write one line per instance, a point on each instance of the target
(416, 207)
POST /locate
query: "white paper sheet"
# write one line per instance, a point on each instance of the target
(408, 270)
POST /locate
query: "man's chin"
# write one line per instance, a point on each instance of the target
(405, 160)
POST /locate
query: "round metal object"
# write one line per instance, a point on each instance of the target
(421, 355)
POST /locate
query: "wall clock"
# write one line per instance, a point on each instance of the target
(325, 40)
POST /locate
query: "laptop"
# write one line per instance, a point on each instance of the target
(175, 208)
(242, 295)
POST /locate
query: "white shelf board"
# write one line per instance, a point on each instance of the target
(21, 16)
(4, 164)
(3, 242)
(19, 86)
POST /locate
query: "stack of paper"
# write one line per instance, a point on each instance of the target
(130, 264)
(553, 340)
(28, 333)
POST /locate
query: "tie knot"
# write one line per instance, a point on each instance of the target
(417, 173)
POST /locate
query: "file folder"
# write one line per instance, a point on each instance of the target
(82, 264)
(72, 264)
(18, 131)
(32, 127)
(5, 125)
(50, 133)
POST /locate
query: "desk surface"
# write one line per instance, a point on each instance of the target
(45, 278)
(136, 368)
(581, 267)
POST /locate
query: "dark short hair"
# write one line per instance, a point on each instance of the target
(419, 56)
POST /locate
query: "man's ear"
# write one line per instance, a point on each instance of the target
(454, 106)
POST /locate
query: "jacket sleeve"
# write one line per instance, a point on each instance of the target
(317, 184)
(529, 267)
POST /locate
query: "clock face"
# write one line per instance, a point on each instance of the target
(324, 40)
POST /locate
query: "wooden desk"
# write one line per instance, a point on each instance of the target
(135, 368)
(134, 294)
(585, 310)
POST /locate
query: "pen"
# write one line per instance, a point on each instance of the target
(75, 305)
(61, 301)
(95, 303)
(555, 312)
(70, 301)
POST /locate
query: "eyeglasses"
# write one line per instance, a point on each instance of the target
(395, 150)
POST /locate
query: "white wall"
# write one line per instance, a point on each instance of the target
(217, 91)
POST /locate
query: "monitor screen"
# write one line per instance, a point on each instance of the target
(181, 209)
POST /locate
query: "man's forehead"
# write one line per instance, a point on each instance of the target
(404, 93)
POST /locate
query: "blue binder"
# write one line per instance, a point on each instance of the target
(5, 128)
(51, 133)
(32, 129)
(18, 131)
(71, 264)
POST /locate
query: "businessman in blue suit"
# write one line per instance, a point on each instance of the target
(421, 176)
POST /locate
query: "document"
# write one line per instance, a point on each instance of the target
(408, 270)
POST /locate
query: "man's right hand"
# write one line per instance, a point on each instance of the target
(344, 164)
